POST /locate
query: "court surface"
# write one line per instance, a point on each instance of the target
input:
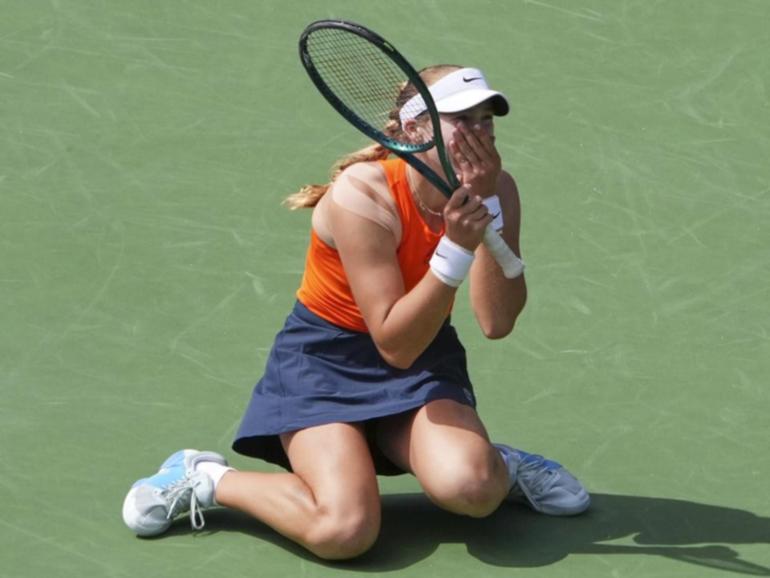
(146, 264)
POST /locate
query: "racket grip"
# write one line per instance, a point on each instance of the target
(509, 262)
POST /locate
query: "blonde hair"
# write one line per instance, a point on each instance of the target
(309, 195)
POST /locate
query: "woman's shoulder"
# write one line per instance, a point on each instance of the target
(363, 189)
(363, 174)
(364, 178)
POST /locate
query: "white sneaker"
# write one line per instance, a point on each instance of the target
(544, 484)
(152, 503)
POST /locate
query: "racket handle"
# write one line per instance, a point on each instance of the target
(509, 262)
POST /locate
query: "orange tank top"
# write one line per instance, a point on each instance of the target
(325, 289)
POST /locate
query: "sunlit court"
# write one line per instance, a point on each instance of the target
(148, 261)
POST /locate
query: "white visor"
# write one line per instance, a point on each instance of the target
(459, 90)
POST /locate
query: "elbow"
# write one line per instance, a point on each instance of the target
(497, 323)
(498, 328)
(397, 359)
(399, 364)
(395, 351)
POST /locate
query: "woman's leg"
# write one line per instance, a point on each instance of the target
(445, 445)
(330, 504)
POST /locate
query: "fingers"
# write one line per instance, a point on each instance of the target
(474, 156)
(466, 217)
(466, 209)
(466, 160)
(460, 161)
(458, 199)
(474, 143)
(467, 146)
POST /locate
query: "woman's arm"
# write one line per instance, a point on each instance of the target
(401, 324)
(497, 301)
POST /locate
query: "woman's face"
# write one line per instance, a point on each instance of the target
(481, 116)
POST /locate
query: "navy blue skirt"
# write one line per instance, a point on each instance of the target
(319, 373)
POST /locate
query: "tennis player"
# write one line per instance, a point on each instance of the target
(367, 375)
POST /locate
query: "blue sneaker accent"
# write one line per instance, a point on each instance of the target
(152, 503)
(168, 473)
(527, 458)
(545, 485)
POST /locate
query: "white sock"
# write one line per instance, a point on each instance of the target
(214, 470)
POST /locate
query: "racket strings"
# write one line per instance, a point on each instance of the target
(361, 76)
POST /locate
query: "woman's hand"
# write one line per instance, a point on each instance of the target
(465, 218)
(475, 158)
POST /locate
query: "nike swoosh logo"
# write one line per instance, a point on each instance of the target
(471, 79)
(440, 255)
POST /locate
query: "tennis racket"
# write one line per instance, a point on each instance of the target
(361, 75)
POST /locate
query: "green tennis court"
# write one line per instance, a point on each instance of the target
(146, 265)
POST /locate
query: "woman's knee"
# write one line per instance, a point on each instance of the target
(471, 487)
(341, 536)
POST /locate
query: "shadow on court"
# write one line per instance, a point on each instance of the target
(514, 536)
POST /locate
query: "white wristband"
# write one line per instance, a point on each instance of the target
(451, 262)
(493, 206)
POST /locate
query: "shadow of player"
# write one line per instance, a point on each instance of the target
(413, 528)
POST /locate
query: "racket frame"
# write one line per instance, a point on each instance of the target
(403, 150)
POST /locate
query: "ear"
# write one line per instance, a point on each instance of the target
(410, 128)
(417, 132)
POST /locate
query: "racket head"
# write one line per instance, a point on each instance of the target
(362, 75)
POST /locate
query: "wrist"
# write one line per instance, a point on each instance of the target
(451, 262)
(493, 206)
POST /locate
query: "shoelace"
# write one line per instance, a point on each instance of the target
(539, 478)
(180, 492)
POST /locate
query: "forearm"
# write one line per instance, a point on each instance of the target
(411, 324)
(496, 301)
